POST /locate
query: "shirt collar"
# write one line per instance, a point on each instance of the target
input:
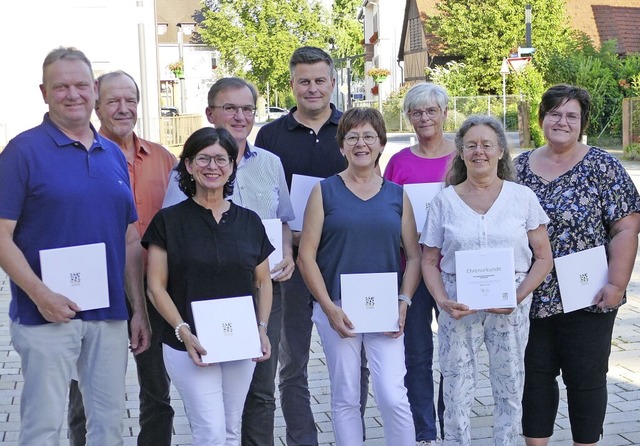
(136, 143)
(249, 151)
(333, 119)
(61, 139)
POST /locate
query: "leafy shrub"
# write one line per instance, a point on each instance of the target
(632, 151)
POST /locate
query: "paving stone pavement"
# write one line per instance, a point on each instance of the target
(622, 423)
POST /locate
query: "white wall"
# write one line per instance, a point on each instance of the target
(105, 30)
(390, 16)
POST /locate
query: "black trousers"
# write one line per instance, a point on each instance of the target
(579, 345)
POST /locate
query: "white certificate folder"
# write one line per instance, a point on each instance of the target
(227, 329)
(420, 196)
(370, 301)
(273, 228)
(78, 273)
(580, 276)
(301, 187)
(485, 278)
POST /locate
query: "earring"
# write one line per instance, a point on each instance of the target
(191, 178)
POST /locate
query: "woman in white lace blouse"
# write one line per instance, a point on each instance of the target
(482, 208)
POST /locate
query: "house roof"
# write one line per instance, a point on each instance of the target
(603, 20)
(173, 12)
(424, 9)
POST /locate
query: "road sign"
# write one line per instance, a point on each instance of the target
(517, 64)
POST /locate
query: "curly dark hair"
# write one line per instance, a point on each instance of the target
(198, 140)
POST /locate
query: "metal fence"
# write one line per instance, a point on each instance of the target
(505, 110)
(174, 130)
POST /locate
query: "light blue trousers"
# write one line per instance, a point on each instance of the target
(49, 354)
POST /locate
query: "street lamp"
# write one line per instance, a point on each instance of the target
(184, 29)
(504, 70)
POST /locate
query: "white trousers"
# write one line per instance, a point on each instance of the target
(385, 356)
(50, 354)
(505, 337)
(213, 396)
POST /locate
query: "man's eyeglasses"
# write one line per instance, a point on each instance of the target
(205, 160)
(232, 109)
(430, 112)
(555, 116)
(352, 140)
(470, 147)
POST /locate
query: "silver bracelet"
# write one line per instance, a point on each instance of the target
(406, 299)
(177, 330)
(263, 324)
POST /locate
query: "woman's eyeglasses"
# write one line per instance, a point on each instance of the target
(555, 116)
(205, 160)
(352, 140)
(430, 112)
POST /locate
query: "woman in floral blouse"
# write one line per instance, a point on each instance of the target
(591, 201)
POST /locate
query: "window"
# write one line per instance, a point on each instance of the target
(415, 33)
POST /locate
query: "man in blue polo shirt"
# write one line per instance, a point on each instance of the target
(305, 141)
(64, 185)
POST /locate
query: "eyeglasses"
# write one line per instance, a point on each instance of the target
(232, 109)
(555, 116)
(470, 147)
(430, 112)
(352, 140)
(205, 160)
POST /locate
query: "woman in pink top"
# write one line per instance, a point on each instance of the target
(425, 106)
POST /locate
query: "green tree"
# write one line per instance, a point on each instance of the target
(485, 32)
(346, 33)
(256, 37)
(606, 76)
(530, 84)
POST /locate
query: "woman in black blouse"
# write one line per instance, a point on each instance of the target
(206, 248)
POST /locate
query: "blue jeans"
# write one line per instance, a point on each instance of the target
(295, 343)
(418, 345)
(260, 405)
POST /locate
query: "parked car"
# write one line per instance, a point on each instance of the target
(276, 112)
(169, 111)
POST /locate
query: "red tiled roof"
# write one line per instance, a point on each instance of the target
(603, 20)
(621, 24)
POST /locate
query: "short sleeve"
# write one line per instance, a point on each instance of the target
(536, 216)
(618, 193)
(433, 230)
(13, 181)
(156, 233)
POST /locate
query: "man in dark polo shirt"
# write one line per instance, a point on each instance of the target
(305, 141)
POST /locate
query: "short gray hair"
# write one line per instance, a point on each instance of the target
(425, 93)
(230, 83)
(113, 74)
(458, 170)
(66, 53)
